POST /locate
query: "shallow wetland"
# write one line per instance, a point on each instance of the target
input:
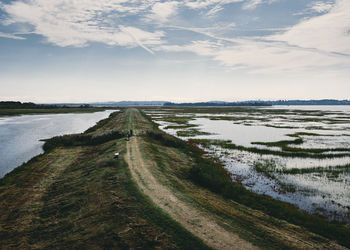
(297, 154)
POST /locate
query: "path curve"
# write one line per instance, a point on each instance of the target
(188, 216)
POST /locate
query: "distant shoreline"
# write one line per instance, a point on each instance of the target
(7, 106)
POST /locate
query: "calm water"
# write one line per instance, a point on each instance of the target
(317, 192)
(20, 135)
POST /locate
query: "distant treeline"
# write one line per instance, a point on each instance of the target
(264, 103)
(248, 103)
(309, 102)
(31, 105)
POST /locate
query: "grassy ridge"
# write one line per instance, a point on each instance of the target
(76, 195)
(212, 175)
(81, 140)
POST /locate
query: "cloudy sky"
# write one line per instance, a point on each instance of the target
(191, 50)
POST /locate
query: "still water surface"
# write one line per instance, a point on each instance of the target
(20, 135)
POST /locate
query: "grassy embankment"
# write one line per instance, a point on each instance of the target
(211, 175)
(76, 195)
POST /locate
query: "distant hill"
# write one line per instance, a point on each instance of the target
(130, 103)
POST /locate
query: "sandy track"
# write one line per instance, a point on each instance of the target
(188, 216)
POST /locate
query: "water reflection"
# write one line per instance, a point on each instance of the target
(20, 135)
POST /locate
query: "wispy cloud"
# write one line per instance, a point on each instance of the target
(322, 7)
(260, 56)
(317, 7)
(317, 42)
(11, 36)
(199, 4)
(252, 4)
(79, 22)
(328, 32)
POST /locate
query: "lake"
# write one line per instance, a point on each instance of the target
(20, 135)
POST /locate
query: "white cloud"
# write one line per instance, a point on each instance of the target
(252, 4)
(328, 32)
(260, 56)
(317, 7)
(163, 10)
(199, 4)
(11, 36)
(321, 7)
(79, 22)
(313, 43)
(216, 9)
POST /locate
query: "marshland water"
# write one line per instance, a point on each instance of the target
(297, 154)
(20, 136)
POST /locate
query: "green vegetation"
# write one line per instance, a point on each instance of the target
(331, 170)
(181, 126)
(287, 151)
(212, 175)
(10, 112)
(181, 120)
(270, 169)
(191, 132)
(298, 134)
(284, 145)
(31, 105)
(81, 140)
(25, 105)
(100, 124)
(280, 144)
(267, 167)
(18, 108)
(76, 195)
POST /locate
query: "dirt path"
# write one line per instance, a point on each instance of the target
(188, 216)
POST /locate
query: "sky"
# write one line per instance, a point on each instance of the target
(190, 50)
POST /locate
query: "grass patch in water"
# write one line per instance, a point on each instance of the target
(211, 175)
(282, 143)
(181, 126)
(175, 119)
(289, 152)
(269, 169)
(191, 132)
(298, 134)
(330, 169)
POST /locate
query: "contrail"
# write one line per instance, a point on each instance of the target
(122, 28)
